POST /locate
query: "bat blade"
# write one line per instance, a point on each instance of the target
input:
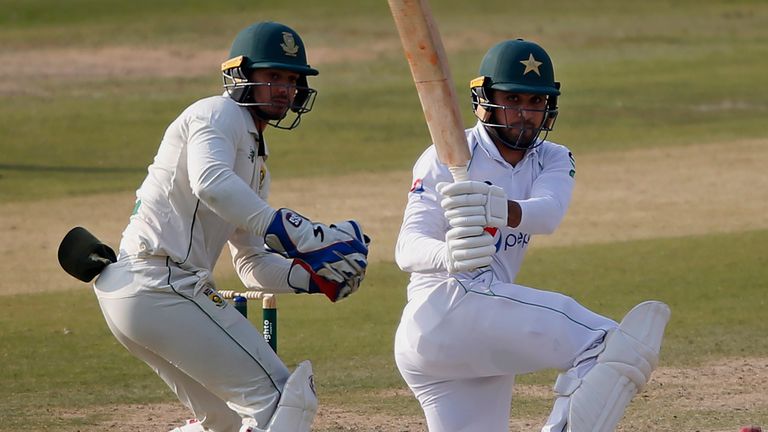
(426, 57)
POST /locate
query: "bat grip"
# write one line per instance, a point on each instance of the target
(459, 173)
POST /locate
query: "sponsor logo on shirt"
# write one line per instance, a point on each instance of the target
(516, 239)
(508, 241)
(215, 297)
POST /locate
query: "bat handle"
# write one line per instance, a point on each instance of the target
(459, 173)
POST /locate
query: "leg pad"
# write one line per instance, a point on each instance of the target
(631, 353)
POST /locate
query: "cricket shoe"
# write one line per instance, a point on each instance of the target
(193, 425)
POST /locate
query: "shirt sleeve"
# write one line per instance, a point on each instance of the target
(257, 268)
(421, 243)
(211, 156)
(550, 193)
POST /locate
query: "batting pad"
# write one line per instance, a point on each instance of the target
(598, 400)
(298, 403)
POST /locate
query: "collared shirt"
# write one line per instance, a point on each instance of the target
(542, 183)
(207, 186)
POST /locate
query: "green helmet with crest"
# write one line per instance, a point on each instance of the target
(265, 45)
(516, 66)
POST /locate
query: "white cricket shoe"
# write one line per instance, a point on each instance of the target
(193, 425)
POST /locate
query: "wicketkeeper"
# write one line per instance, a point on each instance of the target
(208, 187)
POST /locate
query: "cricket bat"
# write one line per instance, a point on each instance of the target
(426, 57)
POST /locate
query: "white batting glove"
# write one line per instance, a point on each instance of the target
(468, 248)
(473, 203)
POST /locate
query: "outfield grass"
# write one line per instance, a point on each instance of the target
(56, 347)
(645, 75)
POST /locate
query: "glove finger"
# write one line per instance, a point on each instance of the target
(464, 231)
(344, 292)
(356, 261)
(472, 253)
(463, 200)
(344, 268)
(465, 187)
(350, 285)
(331, 273)
(358, 246)
(349, 227)
(440, 186)
(353, 284)
(357, 240)
(479, 241)
(468, 221)
(472, 264)
(465, 211)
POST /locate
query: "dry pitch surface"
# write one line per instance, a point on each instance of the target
(619, 196)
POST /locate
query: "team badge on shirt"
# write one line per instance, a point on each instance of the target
(262, 176)
(418, 186)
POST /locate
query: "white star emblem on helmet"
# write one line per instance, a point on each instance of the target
(531, 65)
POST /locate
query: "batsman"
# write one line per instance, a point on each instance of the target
(207, 187)
(468, 329)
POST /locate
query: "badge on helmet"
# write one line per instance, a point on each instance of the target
(268, 45)
(516, 66)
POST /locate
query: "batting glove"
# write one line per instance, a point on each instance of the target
(468, 248)
(473, 203)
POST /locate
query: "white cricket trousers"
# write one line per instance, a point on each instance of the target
(460, 345)
(211, 356)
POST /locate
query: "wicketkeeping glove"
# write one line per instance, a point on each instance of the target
(338, 253)
(473, 203)
(303, 279)
(468, 248)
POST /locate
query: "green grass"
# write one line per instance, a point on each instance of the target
(634, 76)
(56, 348)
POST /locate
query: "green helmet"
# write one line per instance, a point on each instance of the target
(268, 45)
(517, 66)
(271, 45)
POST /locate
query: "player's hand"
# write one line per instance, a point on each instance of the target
(337, 253)
(303, 279)
(468, 248)
(294, 236)
(473, 203)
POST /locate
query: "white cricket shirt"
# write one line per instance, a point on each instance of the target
(208, 185)
(542, 182)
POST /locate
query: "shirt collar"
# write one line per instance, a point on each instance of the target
(249, 123)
